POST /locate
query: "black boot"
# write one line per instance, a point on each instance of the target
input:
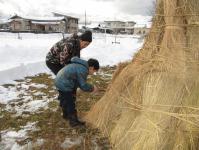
(73, 120)
(64, 113)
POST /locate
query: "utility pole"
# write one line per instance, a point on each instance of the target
(85, 18)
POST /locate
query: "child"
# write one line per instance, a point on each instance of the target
(67, 81)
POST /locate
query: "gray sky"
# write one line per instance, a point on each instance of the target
(131, 6)
(134, 6)
(94, 8)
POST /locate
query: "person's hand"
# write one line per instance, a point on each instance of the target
(95, 89)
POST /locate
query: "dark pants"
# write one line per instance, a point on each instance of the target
(54, 67)
(67, 102)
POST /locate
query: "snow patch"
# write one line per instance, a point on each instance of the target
(7, 94)
(38, 86)
(68, 143)
(9, 138)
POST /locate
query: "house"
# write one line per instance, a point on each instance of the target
(116, 26)
(44, 24)
(141, 29)
(57, 23)
(71, 22)
(121, 26)
(129, 27)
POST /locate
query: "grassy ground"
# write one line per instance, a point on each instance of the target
(51, 129)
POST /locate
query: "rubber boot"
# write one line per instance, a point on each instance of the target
(73, 120)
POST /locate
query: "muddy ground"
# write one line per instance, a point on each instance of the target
(50, 131)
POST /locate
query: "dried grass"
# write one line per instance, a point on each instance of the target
(153, 103)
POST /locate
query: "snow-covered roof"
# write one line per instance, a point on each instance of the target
(115, 21)
(63, 14)
(46, 18)
(40, 22)
(38, 18)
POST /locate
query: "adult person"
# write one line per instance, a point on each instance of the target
(62, 52)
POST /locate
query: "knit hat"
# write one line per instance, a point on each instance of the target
(86, 36)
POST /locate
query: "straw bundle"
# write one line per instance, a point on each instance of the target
(153, 102)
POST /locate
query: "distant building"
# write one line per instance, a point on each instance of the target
(44, 24)
(57, 23)
(116, 26)
(96, 27)
(4, 25)
(121, 26)
(71, 22)
(129, 27)
(141, 29)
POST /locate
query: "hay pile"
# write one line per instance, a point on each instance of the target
(153, 103)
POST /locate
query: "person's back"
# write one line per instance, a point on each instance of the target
(62, 51)
(73, 75)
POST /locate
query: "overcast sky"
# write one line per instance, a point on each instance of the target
(94, 8)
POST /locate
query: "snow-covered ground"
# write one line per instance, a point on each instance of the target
(24, 54)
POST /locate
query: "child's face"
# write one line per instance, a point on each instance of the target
(92, 70)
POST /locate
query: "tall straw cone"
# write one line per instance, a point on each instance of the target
(153, 102)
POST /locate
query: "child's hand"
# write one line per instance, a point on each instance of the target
(95, 89)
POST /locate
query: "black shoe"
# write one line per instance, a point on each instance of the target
(65, 116)
(76, 123)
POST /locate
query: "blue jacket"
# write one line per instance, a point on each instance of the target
(73, 75)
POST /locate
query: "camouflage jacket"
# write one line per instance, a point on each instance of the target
(64, 50)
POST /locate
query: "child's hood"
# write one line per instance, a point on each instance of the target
(78, 60)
